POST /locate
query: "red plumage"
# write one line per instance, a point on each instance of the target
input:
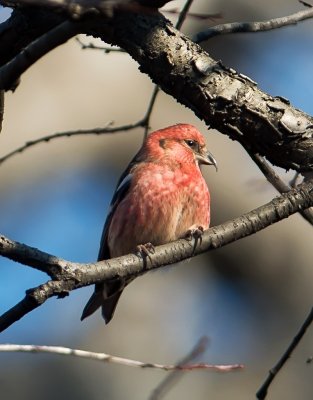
(160, 197)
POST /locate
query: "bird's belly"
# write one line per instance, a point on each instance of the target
(162, 217)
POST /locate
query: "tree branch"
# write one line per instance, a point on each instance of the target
(178, 25)
(172, 378)
(105, 49)
(93, 131)
(262, 392)
(78, 9)
(260, 26)
(278, 183)
(1, 108)
(11, 71)
(226, 100)
(68, 276)
(107, 358)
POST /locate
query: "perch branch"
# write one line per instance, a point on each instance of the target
(68, 276)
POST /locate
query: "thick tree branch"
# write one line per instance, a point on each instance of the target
(68, 276)
(107, 358)
(226, 100)
(82, 9)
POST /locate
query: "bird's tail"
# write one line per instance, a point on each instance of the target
(101, 298)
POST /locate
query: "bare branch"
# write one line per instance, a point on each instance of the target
(171, 379)
(103, 357)
(305, 3)
(94, 131)
(91, 46)
(262, 392)
(70, 276)
(11, 71)
(195, 15)
(226, 100)
(277, 182)
(183, 14)
(55, 267)
(260, 26)
(77, 9)
(179, 24)
(1, 108)
(147, 117)
(294, 181)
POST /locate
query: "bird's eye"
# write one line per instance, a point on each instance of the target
(191, 143)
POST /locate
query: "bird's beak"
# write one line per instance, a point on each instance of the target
(207, 158)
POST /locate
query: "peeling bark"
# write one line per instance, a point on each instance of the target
(224, 99)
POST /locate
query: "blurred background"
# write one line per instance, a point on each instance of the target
(248, 298)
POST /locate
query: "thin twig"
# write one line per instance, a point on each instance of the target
(103, 357)
(1, 108)
(95, 131)
(260, 26)
(147, 117)
(11, 71)
(68, 276)
(91, 46)
(166, 384)
(201, 16)
(305, 3)
(294, 180)
(276, 181)
(262, 392)
(183, 14)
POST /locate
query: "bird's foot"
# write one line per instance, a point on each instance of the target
(145, 250)
(196, 233)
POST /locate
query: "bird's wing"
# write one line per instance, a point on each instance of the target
(121, 191)
(106, 295)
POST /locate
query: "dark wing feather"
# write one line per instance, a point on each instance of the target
(108, 294)
(121, 191)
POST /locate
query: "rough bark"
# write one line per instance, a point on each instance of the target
(226, 100)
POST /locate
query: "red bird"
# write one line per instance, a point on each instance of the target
(161, 197)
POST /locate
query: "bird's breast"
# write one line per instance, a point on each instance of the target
(160, 207)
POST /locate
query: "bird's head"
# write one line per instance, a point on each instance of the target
(181, 143)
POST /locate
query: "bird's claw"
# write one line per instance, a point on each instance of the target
(145, 250)
(196, 234)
